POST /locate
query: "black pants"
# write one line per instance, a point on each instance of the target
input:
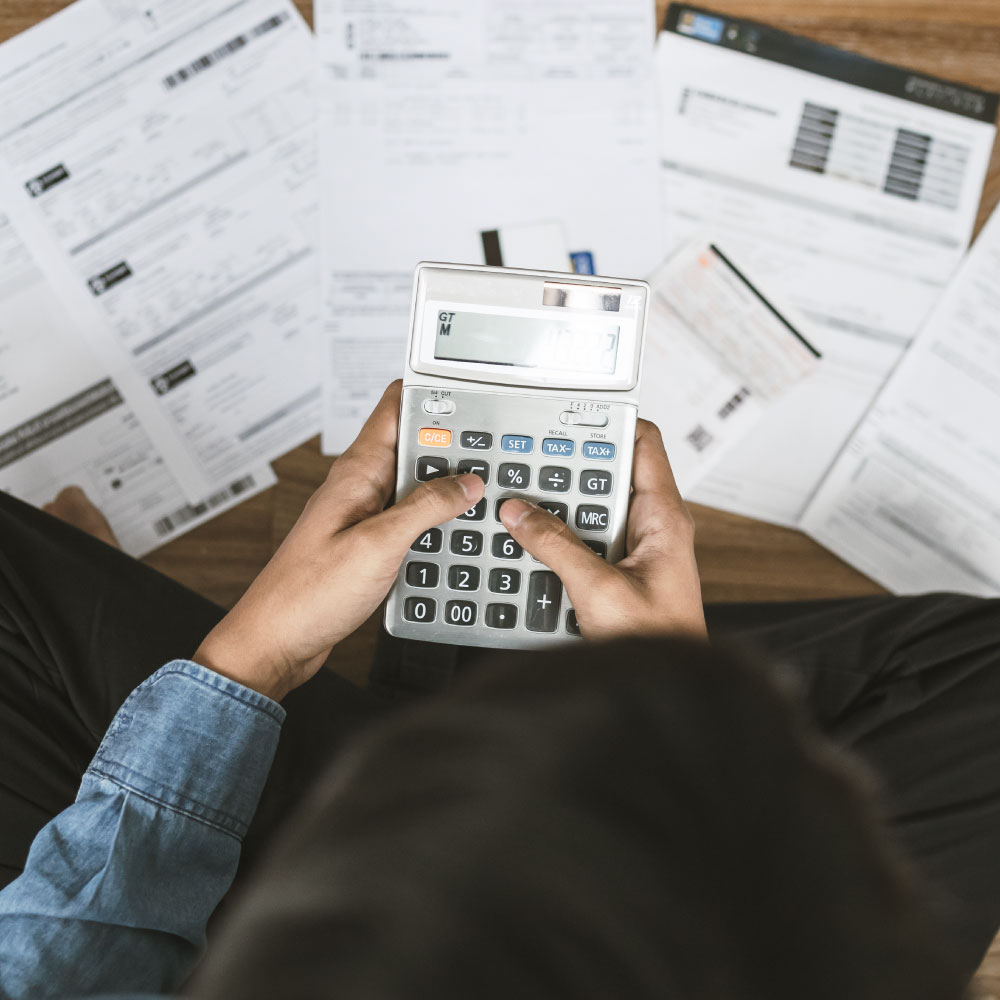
(912, 685)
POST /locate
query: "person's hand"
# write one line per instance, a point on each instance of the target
(655, 588)
(335, 566)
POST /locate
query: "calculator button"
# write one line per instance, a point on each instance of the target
(463, 577)
(500, 502)
(504, 547)
(439, 406)
(514, 476)
(505, 581)
(420, 574)
(460, 613)
(541, 613)
(477, 468)
(577, 419)
(466, 543)
(599, 547)
(431, 467)
(419, 609)
(501, 615)
(572, 625)
(434, 437)
(476, 513)
(518, 443)
(590, 517)
(595, 483)
(558, 448)
(481, 440)
(603, 451)
(429, 541)
(559, 509)
(554, 479)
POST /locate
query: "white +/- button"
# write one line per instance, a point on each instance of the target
(578, 419)
(439, 406)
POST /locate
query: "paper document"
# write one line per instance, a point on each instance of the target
(445, 119)
(159, 161)
(914, 498)
(718, 354)
(63, 420)
(847, 185)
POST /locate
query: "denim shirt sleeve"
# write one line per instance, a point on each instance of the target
(118, 888)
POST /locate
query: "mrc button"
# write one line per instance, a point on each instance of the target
(591, 517)
(434, 437)
(603, 451)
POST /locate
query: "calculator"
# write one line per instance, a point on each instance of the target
(530, 380)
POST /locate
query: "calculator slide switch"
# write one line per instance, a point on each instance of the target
(439, 406)
(578, 419)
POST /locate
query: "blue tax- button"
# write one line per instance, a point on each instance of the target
(518, 443)
(558, 447)
(603, 451)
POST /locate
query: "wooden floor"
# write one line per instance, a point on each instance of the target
(739, 559)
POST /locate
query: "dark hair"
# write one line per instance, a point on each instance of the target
(638, 819)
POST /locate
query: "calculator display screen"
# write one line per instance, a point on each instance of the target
(527, 341)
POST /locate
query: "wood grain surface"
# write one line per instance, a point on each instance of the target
(740, 559)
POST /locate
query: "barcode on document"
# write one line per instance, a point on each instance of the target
(733, 402)
(169, 524)
(699, 438)
(233, 45)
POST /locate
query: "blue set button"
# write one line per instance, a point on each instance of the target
(601, 450)
(518, 443)
(558, 447)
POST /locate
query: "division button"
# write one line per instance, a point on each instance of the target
(429, 541)
(460, 613)
(481, 440)
(421, 574)
(476, 467)
(466, 543)
(463, 577)
(590, 517)
(419, 609)
(572, 625)
(559, 509)
(554, 479)
(504, 547)
(439, 406)
(431, 467)
(434, 437)
(514, 476)
(476, 513)
(595, 483)
(518, 443)
(541, 612)
(505, 581)
(558, 448)
(501, 615)
(602, 451)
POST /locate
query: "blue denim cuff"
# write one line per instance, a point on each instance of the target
(195, 742)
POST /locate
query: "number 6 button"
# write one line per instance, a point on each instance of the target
(595, 483)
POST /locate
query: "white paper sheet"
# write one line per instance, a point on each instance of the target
(914, 498)
(445, 118)
(718, 355)
(63, 420)
(853, 198)
(159, 160)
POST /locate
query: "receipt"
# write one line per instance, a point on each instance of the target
(718, 354)
(447, 119)
(914, 498)
(847, 185)
(64, 421)
(159, 159)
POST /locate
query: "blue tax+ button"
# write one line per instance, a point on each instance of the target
(516, 442)
(557, 447)
(601, 450)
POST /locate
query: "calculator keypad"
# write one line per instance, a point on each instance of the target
(472, 583)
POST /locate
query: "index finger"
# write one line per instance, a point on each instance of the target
(656, 503)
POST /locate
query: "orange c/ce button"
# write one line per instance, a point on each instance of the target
(434, 437)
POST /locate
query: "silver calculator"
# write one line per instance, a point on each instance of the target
(529, 379)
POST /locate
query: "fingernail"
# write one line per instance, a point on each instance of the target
(514, 511)
(471, 485)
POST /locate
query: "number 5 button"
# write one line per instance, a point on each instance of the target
(595, 483)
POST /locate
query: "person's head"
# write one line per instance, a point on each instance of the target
(640, 819)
